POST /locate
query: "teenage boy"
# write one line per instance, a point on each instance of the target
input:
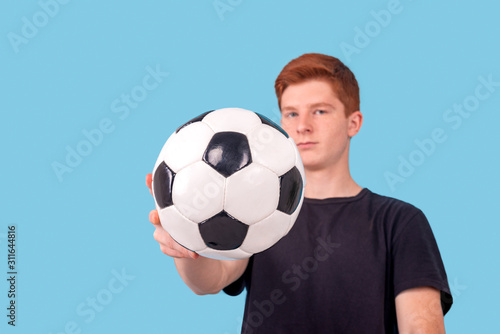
(355, 261)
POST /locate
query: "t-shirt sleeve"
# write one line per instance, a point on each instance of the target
(239, 285)
(236, 287)
(417, 261)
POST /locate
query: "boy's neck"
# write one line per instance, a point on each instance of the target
(330, 183)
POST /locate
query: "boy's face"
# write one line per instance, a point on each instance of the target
(315, 118)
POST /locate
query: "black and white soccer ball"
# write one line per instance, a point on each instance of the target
(228, 184)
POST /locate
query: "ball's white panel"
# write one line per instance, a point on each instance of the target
(252, 194)
(271, 149)
(234, 254)
(186, 146)
(300, 167)
(198, 191)
(181, 229)
(161, 156)
(298, 161)
(264, 234)
(232, 119)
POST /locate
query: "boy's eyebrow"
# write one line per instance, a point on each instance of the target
(287, 108)
(320, 104)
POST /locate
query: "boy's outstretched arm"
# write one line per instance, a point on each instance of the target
(201, 274)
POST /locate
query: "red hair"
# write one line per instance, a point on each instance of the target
(313, 66)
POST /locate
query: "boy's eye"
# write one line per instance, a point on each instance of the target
(320, 111)
(291, 114)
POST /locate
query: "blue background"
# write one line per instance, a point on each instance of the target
(76, 231)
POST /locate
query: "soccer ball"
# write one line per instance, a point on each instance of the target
(228, 184)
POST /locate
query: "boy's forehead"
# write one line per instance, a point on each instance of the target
(310, 94)
(315, 85)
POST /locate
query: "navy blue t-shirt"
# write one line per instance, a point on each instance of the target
(340, 267)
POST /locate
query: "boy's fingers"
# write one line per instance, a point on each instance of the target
(173, 249)
(183, 252)
(178, 254)
(149, 180)
(170, 247)
(153, 217)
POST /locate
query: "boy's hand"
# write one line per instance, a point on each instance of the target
(167, 245)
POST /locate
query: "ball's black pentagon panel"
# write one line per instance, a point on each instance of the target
(267, 121)
(223, 232)
(290, 191)
(196, 119)
(162, 185)
(228, 152)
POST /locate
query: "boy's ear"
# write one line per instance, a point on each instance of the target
(355, 120)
